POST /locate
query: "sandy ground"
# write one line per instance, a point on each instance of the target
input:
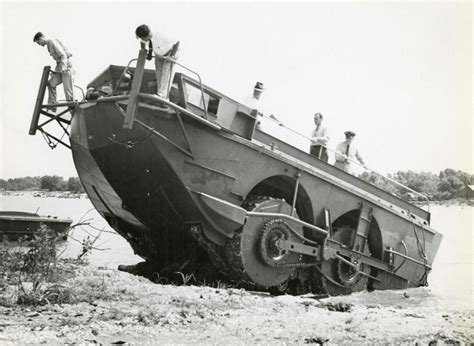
(122, 308)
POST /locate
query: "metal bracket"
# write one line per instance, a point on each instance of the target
(135, 90)
(359, 238)
(39, 100)
(298, 248)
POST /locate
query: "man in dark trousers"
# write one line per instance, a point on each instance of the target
(319, 139)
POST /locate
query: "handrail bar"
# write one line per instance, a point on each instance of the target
(408, 258)
(180, 109)
(123, 74)
(192, 71)
(174, 61)
(61, 104)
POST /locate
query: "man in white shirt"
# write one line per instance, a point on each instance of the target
(253, 101)
(165, 50)
(63, 71)
(346, 151)
(319, 139)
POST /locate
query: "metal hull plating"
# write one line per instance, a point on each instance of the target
(151, 183)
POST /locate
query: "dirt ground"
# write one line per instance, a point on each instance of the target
(130, 309)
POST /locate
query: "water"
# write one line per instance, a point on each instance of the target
(114, 249)
(451, 279)
(452, 274)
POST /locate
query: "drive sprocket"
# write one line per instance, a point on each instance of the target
(254, 252)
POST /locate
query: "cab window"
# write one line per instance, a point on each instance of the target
(194, 97)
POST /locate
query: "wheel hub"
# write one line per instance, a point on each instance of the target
(349, 275)
(343, 275)
(274, 233)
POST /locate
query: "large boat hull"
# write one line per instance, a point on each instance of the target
(149, 183)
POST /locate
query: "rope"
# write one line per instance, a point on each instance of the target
(129, 144)
(422, 253)
(48, 140)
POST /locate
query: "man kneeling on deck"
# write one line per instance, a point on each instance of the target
(165, 49)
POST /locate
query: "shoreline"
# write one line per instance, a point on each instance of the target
(70, 194)
(45, 194)
(120, 307)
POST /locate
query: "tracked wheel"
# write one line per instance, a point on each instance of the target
(256, 251)
(338, 277)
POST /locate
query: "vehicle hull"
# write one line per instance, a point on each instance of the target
(150, 184)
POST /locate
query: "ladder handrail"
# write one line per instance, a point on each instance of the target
(174, 61)
(123, 74)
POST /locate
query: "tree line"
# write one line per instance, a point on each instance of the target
(46, 182)
(448, 184)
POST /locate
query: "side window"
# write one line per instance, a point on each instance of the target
(194, 97)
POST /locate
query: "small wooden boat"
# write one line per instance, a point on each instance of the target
(16, 224)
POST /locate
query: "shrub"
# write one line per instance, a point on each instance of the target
(31, 267)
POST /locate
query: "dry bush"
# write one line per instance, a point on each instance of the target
(34, 269)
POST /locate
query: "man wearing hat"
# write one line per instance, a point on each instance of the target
(253, 101)
(347, 152)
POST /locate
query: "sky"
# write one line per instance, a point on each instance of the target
(399, 74)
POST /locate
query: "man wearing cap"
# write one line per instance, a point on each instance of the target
(63, 71)
(347, 152)
(165, 50)
(253, 101)
(319, 139)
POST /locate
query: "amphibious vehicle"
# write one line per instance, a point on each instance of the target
(193, 174)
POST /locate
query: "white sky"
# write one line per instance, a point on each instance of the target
(399, 74)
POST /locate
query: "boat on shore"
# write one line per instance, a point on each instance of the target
(193, 180)
(18, 224)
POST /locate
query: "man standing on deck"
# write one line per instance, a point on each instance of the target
(347, 152)
(319, 139)
(253, 101)
(165, 50)
(63, 71)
